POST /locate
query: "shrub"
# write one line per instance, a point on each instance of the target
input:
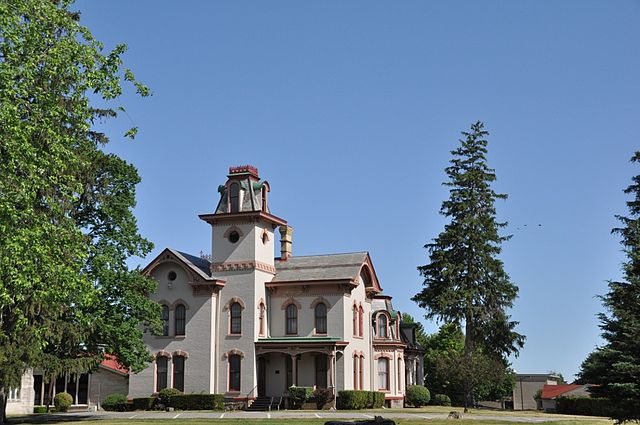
(299, 395)
(165, 395)
(441, 400)
(40, 409)
(115, 403)
(62, 401)
(322, 396)
(197, 401)
(144, 403)
(355, 399)
(417, 395)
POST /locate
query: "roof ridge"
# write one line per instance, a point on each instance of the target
(328, 255)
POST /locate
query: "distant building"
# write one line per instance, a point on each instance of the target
(551, 392)
(527, 385)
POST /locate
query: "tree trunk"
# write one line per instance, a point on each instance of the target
(3, 406)
(468, 359)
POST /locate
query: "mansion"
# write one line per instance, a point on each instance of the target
(247, 324)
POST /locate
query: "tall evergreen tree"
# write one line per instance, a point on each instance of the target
(615, 367)
(66, 221)
(465, 282)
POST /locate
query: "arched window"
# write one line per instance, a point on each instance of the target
(161, 372)
(234, 197)
(321, 318)
(382, 326)
(178, 372)
(234, 372)
(355, 320)
(361, 322)
(180, 316)
(292, 319)
(262, 328)
(356, 363)
(235, 326)
(361, 371)
(383, 373)
(165, 320)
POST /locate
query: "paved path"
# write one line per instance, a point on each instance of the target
(326, 415)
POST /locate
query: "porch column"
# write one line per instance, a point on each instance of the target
(294, 366)
(331, 360)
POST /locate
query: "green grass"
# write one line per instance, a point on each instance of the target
(292, 421)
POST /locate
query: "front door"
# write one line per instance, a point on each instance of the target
(262, 377)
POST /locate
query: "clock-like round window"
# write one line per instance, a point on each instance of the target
(234, 237)
(172, 276)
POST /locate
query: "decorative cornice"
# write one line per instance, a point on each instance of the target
(242, 265)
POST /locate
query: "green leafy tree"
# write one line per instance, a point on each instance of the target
(465, 282)
(615, 367)
(66, 221)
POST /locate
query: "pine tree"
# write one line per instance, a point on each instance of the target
(465, 282)
(615, 367)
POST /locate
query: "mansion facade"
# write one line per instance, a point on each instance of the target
(248, 325)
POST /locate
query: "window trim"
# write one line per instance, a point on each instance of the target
(323, 320)
(237, 319)
(387, 384)
(291, 322)
(176, 359)
(182, 329)
(231, 372)
(158, 372)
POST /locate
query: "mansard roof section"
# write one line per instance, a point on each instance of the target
(331, 267)
(199, 268)
(243, 191)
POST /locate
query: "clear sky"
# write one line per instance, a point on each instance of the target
(350, 110)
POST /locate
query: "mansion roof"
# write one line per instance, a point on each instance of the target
(320, 267)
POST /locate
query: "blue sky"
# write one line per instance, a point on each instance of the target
(350, 109)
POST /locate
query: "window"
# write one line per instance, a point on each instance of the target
(161, 372)
(180, 316)
(321, 318)
(235, 327)
(355, 320)
(399, 385)
(382, 326)
(356, 362)
(262, 328)
(234, 372)
(178, 373)
(165, 320)
(289, 367)
(14, 394)
(361, 371)
(321, 371)
(360, 321)
(292, 319)
(383, 373)
(234, 197)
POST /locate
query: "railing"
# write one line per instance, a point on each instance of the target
(246, 397)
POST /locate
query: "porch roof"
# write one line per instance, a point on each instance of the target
(299, 344)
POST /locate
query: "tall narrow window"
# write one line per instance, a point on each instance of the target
(234, 372)
(178, 373)
(234, 197)
(180, 316)
(161, 372)
(236, 319)
(165, 320)
(361, 321)
(355, 372)
(355, 320)
(383, 373)
(321, 371)
(361, 371)
(321, 318)
(289, 366)
(399, 384)
(262, 328)
(382, 326)
(292, 319)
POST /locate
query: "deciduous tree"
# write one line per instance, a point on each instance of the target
(66, 221)
(465, 281)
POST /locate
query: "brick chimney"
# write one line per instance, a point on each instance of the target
(286, 240)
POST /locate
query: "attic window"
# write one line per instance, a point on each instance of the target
(234, 237)
(172, 276)
(234, 197)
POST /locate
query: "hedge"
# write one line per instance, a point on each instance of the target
(299, 396)
(197, 401)
(598, 407)
(417, 395)
(355, 399)
(62, 401)
(441, 400)
(144, 403)
(115, 403)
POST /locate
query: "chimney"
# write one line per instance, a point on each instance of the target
(286, 236)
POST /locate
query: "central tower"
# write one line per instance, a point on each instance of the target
(242, 255)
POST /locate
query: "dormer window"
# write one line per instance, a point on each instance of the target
(382, 326)
(234, 197)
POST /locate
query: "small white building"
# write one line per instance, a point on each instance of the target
(247, 324)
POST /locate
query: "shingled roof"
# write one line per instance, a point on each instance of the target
(320, 267)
